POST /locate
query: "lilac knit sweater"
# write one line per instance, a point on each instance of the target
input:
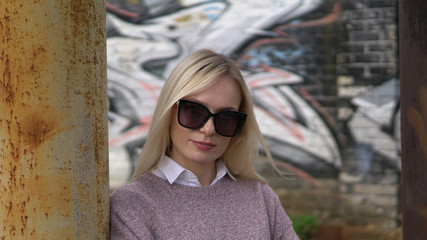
(151, 208)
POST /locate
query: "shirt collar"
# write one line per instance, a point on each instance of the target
(175, 173)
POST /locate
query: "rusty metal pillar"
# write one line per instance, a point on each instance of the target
(413, 78)
(53, 120)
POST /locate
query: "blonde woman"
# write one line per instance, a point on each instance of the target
(195, 178)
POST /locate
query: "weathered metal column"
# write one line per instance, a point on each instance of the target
(413, 78)
(53, 120)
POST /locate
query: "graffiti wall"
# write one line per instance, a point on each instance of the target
(322, 74)
(268, 39)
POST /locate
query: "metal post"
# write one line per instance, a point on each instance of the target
(413, 77)
(53, 120)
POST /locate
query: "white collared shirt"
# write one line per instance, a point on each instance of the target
(170, 170)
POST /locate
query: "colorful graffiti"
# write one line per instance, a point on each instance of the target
(145, 39)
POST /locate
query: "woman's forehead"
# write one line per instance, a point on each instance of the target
(225, 92)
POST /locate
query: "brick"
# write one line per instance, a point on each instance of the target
(380, 3)
(344, 58)
(383, 201)
(363, 36)
(375, 189)
(367, 58)
(355, 69)
(360, 210)
(383, 70)
(371, 24)
(352, 47)
(365, 14)
(377, 25)
(375, 201)
(382, 46)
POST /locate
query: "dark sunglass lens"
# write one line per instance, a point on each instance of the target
(191, 115)
(229, 123)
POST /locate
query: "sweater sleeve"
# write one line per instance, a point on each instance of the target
(280, 223)
(124, 224)
(119, 230)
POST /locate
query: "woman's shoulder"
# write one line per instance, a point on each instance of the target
(260, 188)
(135, 189)
(252, 183)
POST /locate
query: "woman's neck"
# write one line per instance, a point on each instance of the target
(205, 172)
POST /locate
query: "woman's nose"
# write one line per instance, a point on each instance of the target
(209, 128)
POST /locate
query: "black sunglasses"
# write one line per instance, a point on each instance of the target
(194, 115)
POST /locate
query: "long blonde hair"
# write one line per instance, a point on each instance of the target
(193, 74)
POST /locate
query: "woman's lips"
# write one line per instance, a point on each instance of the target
(203, 145)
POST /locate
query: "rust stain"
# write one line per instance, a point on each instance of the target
(37, 126)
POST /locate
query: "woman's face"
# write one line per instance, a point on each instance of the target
(195, 148)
